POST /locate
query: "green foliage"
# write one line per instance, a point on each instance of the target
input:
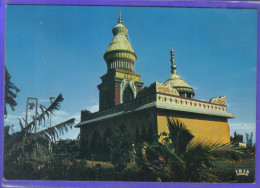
(66, 148)
(249, 143)
(61, 168)
(10, 92)
(26, 136)
(179, 135)
(249, 140)
(236, 138)
(24, 146)
(179, 158)
(120, 146)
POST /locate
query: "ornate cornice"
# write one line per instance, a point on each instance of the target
(127, 72)
(120, 50)
(121, 54)
(219, 100)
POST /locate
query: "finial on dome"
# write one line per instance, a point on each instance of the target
(120, 18)
(173, 67)
(172, 53)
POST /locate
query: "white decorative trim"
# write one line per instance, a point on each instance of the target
(158, 105)
(123, 85)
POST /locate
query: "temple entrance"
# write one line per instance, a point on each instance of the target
(96, 144)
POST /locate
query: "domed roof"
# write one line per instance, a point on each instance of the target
(120, 42)
(175, 81)
(120, 48)
(178, 83)
(120, 29)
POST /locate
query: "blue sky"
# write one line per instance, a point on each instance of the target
(59, 49)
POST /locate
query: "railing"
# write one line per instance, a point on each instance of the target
(190, 103)
(171, 100)
(121, 107)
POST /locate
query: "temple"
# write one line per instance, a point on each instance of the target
(123, 103)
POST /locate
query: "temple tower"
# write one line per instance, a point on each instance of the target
(120, 84)
(176, 82)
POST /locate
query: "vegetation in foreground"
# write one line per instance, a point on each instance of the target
(26, 150)
(178, 158)
(175, 159)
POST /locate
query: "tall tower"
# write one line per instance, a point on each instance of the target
(120, 84)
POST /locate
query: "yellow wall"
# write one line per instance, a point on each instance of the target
(127, 76)
(215, 131)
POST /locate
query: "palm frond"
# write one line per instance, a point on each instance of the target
(47, 134)
(10, 92)
(53, 132)
(221, 150)
(51, 109)
(180, 158)
(20, 123)
(45, 113)
(17, 140)
(231, 152)
(164, 162)
(179, 135)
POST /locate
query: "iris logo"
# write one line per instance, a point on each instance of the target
(242, 172)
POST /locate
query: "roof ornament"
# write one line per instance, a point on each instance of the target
(173, 67)
(120, 18)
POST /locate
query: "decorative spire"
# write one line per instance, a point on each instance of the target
(120, 28)
(172, 54)
(120, 18)
(176, 82)
(173, 67)
(120, 54)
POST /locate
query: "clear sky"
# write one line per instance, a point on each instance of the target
(59, 49)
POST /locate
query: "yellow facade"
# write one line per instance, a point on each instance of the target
(214, 131)
(127, 76)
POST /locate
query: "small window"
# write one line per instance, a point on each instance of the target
(128, 94)
(182, 94)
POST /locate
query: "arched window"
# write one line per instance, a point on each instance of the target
(150, 135)
(123, 128)
(137, 135)
(143, 133)
(182, 95)
(84, 143)
(85, 140)
(128, 94)
(108, 135)
(96, 142)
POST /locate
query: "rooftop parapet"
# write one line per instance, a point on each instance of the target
(163, 97)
